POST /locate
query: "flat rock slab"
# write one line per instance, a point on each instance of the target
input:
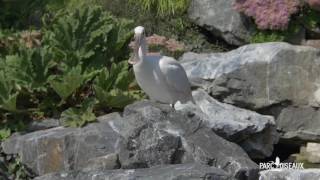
(255, 133)
(222, 20)
(284, 174)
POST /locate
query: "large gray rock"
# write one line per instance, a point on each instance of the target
(272, 78)
(259, 75)
(157, 134)
(255, 133)
(292, 174)
(222, 20)
(170, 172)
(146, 135)
(62, 148)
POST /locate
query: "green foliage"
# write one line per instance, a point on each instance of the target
(67, 83)
(4, 133)
(78, 117)
(163, 7)
(88, 37)
(310, 18)
(262, 36)
(20, 14)
(12, 168)
(111, 87)
(79, 47)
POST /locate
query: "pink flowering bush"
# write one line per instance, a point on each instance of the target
(269, 14)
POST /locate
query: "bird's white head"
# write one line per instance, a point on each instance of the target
(139, 30)
(140, 45)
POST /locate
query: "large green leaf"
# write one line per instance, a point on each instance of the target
(111, 87)
(66, 84)
(29, 68)
(78, 117)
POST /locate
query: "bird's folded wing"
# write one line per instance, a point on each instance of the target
(175, 76)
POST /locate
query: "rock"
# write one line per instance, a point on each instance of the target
(156, 134)
(279, 174)
(309, 155)
(298, 124)
(109, 161)
(255, 133)
(43, 124)
(258, 75)
(312, 42)
(61, 148)
(272, 78)
(222, 20)
(146, 135)
(170, 172)
(313, 151)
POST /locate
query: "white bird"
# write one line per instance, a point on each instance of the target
(162, 78)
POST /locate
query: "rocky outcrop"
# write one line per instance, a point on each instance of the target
(221, 19)
(164, 134)
(272, 78)
(255, 133)
(170, 172)
(62, 148)
(146, 135)
(277, 174)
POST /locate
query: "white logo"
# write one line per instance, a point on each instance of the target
(278, 165)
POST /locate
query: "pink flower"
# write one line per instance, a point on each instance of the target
(269, 14)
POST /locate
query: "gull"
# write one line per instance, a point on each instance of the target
(162, 78)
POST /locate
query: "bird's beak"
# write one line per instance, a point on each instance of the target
(137, 43)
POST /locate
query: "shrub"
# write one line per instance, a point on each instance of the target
(163, 7)
(269, 14)
(66, 74)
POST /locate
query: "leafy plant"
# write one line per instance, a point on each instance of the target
(12, 168)
(78, 117)
(88, 37)
(68, 83)
(310, 18)
(58, 75)
(163, 7)
(112, 87)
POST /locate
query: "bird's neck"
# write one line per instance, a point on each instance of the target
(142, 53)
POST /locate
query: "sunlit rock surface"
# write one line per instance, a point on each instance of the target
(272, 78)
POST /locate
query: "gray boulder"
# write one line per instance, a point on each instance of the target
(292, 174)
(165, 135)
(170, 172)
(255, 133)
(62, 148)
(276, 79)
(257, 76)
(222, 20)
